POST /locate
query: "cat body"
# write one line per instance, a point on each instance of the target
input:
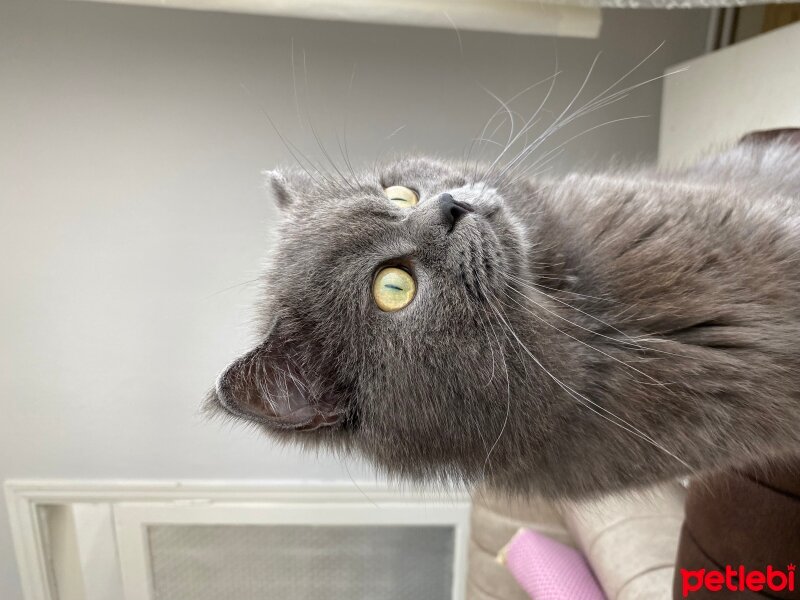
(567, 336)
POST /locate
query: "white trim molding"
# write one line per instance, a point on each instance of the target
(527, 17)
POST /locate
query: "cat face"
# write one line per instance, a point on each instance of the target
(378, 330)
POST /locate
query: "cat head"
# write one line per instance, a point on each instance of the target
(407, 318)
(379, 329)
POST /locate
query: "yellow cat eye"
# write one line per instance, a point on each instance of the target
(393, 289)
(401, 195)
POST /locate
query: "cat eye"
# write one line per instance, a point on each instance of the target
(393, 289)
(402, 196)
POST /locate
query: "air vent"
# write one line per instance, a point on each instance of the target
(197, 541)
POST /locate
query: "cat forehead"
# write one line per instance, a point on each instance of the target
(421, 171)
(334, 232)
(333, 219)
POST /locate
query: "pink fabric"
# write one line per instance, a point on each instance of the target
(549, 570)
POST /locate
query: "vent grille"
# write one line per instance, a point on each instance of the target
(308, 562)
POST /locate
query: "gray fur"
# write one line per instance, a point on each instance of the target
(573, 336)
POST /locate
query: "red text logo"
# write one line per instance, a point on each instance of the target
(738, 580)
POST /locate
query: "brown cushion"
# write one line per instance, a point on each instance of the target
(748, 517)
(770, 135)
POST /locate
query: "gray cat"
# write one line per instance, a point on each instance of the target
(565, 336)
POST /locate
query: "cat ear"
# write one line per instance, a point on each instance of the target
(269, 385)
(286, 186)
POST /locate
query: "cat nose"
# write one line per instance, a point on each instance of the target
(450, 210)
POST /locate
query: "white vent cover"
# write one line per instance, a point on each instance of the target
(262, 562)
(203, 541)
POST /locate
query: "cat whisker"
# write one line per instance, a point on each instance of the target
(589, 404)
(555, 314)
(490, 141)
(496, 129)
(458, 33)
(627, 339)
(342, 183)
(596, 104)
(574, 137)
(599, 101)
(510, 114)
(526, 127)
(533, 118)
(294, 85)
(499, 111)
(233, 287)
(575, 294)
(346, 121)
(508, 405)
(326, 154)
(395, 132)
(631, 71)
(606, 354)
(353, 481)
(290, 148)
(557, 120)
(348, 166)
(541, 165)
(318, 168)
(491, 349)
(345, 153)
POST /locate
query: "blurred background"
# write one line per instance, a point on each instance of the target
(133, 221)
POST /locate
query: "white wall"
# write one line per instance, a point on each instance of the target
(130, 204)
(712, 104)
